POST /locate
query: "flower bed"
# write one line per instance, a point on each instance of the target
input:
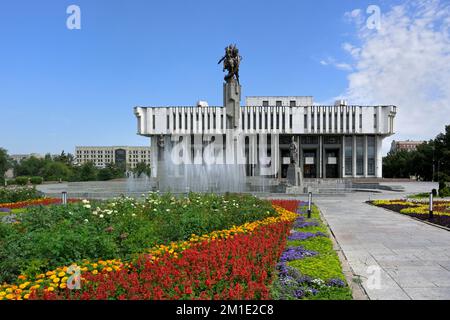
(310, 268)
(11, 195)
(34, 202)
(252, 240)
(419, 209)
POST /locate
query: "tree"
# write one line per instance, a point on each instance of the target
(431, 160)
(5, 163)
(88, 172)
(111, 171)
(30, 167)
(55, 171)
(142, 168)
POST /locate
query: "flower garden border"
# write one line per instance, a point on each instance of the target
(410, 217)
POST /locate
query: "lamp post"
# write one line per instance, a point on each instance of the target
(309, 204)
(431, 206)
(64, 198)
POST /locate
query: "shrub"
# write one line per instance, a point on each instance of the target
(36, 180)
(11, 182)
(8, 195)
(22, 181)
(444, 192)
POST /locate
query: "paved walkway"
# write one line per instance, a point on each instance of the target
(412, 258)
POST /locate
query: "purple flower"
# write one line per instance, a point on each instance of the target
(5, 210)
(296, 253)
(301, 223)
(336, 283)
(305, 235)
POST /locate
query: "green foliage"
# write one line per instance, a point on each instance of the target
(432, 157)
(48, 237)
(36, 180)
(142, 168)
(5, 163)
(111, 171)
(22, 181)
(8, 195)
(11, 182)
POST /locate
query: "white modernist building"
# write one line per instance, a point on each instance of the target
(334, 141)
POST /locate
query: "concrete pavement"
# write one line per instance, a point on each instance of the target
(394, 256)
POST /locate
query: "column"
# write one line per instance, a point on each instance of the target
(327, 120)
(320, 155)
(379, 157)
(354, 157)
(154, 156)
(333, 129)
(342, 173)
(308, 119)
(365, 156)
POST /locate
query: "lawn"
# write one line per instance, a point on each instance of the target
(312, 269)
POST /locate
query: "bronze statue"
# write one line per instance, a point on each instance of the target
(231, 61)
(293, 148)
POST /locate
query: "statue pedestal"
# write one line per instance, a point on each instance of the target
(294, 176)
(232, 102)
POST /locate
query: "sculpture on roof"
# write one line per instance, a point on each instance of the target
(231, 61)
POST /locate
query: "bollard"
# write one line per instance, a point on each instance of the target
(309, 204)
(431, 206)
(64, 198)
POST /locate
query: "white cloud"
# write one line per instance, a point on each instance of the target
(405, 63)
(338, 65)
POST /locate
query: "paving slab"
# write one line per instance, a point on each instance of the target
(412, 257)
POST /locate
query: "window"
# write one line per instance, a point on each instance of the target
(305, 121)
(265, 103)
(348, 156)
(292, 103)
(278, 103)
(360, 121)
(360, 155)
(371, 155)
(375, 120)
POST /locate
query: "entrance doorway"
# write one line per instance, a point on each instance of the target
(309, 163)
(332, 163)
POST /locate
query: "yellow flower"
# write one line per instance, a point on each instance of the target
(94, 272)
(51, 289)
(3, 293)
(109, 269)
(10, 296)
(27, 296)
(61, 274)
(56, 280)
(63, 285)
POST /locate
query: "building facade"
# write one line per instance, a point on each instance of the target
(335, 141)
(407, 145)
(121, 155)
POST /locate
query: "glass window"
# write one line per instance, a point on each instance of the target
(265, 103)
(348, 156)
(278, 103)
(360, 155)
(292, 103)
(371, 155)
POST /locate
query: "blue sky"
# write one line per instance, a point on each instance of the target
(60, 88)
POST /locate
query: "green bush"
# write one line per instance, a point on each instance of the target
(22, 181)
(36, 180)
(444, 192)
(53, 236)
(11, 182)
(9, 195)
